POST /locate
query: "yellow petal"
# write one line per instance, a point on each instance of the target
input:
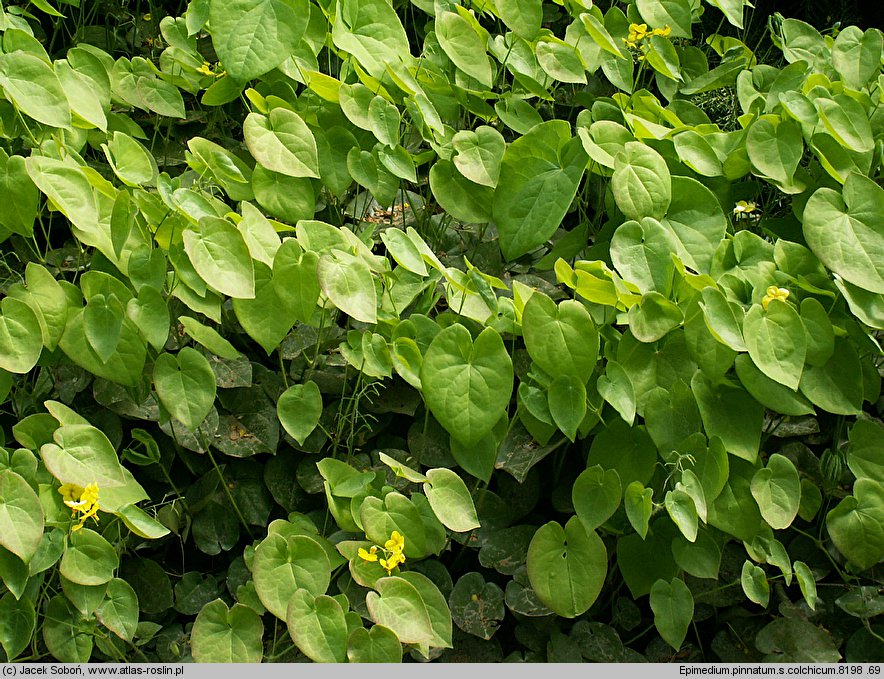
(366, 555)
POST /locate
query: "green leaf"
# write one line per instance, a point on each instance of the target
(18, 620)
(673, 607)
(731, 414)
(567, 403)
(467, 385)
(130, 160)
(697, 153)
(628, 450)
(847, 121)
(413, 518)
(600, 35)
(642, 253)
(284, 197)
(102, 323)
(856, 525)
(560, 60)
(653, 317)
(150, 314)
(21, 339)
(463, 46)
(663, 58)
(561, 338)
(221, 257)
(617, 389)
(845, 231)
(673, 13)
(777, 490)
(857, 55)
(398, 605)
(18, 215)
(477, 607)
(522, 16)
(31, 84)
(347, 281)
(227, 635)
(836, 386)
(317, 626)
(683, 512)
(299, 409)
(253, 36)
(384, 120)
(119, 610)
(451, 501)
(371, 31)
(539, 176)
(776, 341)
(270, 315)
(732, 9)
(807, 583)
(755, 584)
(89, 559)
(697, 221)
(637, 500)
(402, 249)
(63, 632)
(82, 455)
(282, 565)
(795, 640)
(282, 142)
(567, 567)
(596, 496)
(21, 516)
(376, 645)
(768, 393)
(641, 183)
(437, 607)
(185, 384)
(864, 454)
(478, 154)
(775, 150)
(701, 558)
(209, 338)
(463, 199)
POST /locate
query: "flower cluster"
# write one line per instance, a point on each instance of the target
(392, 550)
(82, 501)
(638, 33)
(206, 69)
(744, 209)
(772, 293)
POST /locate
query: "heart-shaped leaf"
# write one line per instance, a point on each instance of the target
(185, 384)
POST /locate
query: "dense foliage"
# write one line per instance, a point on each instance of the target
(517, 330)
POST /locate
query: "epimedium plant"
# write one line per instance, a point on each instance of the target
(362, 331)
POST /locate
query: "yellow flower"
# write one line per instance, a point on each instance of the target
(368, 555)
(205, 69)
(666, 30)
(637, 31)
(396, 543)
(743, 208)
(82, 501)
(392, 561)
(773, 292)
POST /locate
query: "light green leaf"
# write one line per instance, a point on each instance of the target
(595, 496)
(398, 605)
(299, 409)
(755, 584)
(847, 121)
(253, 36)
(221, 257)
(731, 414)
(857, 55)
(856, 525)
(21, 516)
(478, 154)
(21, 339)
(31, 84)
(845, 231)
(209, 338)
(522, 16)
(807, 583)
(673, 607)
(567, 403)
(775, 150)
(776, 341)
(463, 199)
(82, 455)
(317, 626)
(347, 281)
(451, 501)
(642, 253)
(617, 389)
(376, 645)
(697, 221)
(89, 559)
(185, 384)
(282, 143)
(119, 610)
(463, 46)
(777, 490)
(681, 509)
(836, 386)
(560, 60)
(227, 635)
(130, 160)
(282, 565)
(63, 633)
(561, 338)
(673, 13)
(17, 215)
(371, 31)
(567, 566)
(864, 454)
(641, 183)
(467, 385)
(539, 176)
(653, 317)
(600, 35)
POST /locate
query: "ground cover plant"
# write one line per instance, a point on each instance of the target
(359, 331)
